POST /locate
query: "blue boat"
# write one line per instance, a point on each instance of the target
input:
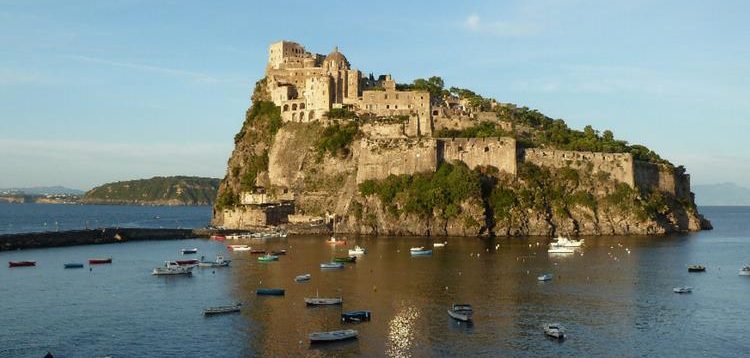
(269, 292)
(73, 265)
(356, 316)
(421, 252)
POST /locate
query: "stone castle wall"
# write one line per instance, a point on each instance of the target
(619, 166)
(475, 152)
(379, 158)
(249, 216)
(660, 177)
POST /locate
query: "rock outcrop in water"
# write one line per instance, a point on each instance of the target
(377, 162)
(172, 191)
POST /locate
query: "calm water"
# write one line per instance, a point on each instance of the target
(17, 218)
(612, 303)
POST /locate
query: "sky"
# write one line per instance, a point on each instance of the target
(100, 91)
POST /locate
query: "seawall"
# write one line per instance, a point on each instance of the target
(94, 236)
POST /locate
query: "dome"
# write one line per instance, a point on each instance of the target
(338, 58)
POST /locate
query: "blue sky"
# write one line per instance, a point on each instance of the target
(98, 91)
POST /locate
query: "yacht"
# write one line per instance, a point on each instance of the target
(173, 268)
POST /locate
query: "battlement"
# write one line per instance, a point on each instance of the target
(477, 152)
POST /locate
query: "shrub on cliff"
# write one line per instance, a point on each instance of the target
(336, 139)
(481, 130)
(340, 113)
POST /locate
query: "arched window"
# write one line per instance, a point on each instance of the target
(294, 107)
(311, 115)
(302, 116)
(301, 106)
(294, 116)
(286, 107)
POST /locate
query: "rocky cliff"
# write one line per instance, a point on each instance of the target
(178, 190)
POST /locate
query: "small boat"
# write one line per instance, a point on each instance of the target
(303, 278)
(420, 252)
(560, 250)
(73, 265)
(684, 289)
(566, 242)
(334, 241)
(258, 252)
(268, 258)
(357, 251)
(744, 271)
(21, 263)
(100, 261)
(239, 247)
(189, 251)
(211, 311)
(439, 244)
(219, 262)
(554, 330)
(332, 265)
(187, 262)
(269, 292)
(332, 336)
(461, 312)
(418, 248)
(696, 268)
(218, 237)
(319, 301)
(350, 259)
(172, 268)
(356, 316)
(545, 277)
(278, 252)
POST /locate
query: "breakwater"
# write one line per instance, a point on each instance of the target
(95, 236)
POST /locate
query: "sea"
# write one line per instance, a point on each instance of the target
(614, 296)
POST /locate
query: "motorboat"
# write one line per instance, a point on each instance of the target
(332, 265)
(320, 301)
(440, 244)
(268, 258)
(73, 265)
(258, 252)
(278, 252)
(554, 330)
(239, 247)
(21, 263)
(219, 262)
(189, 251)
(333, 336)
(187, 262)
(356, 316)
(349, 259)
(684, 289)
(696, 268)
(421, 252)
(172, 268)
(545, 277)
(560, 250)
(303, 278)
(461, 312)
(418, 248)
(100, 261)
(566, 242)
(357, 251)
(211, 311)
(744, 271)
(270, 292)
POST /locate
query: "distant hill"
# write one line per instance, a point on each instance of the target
(43, 190)
(177, 190)
(721, 194)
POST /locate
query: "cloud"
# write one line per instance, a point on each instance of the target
(500, 28)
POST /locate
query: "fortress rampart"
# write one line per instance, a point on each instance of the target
(379, 158)
(475, 152)
(619, 166)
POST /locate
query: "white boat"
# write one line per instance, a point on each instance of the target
(745, 271)
(189, 251)
(303, 278)
(461, 312)
(332, 265)
(684, 289)
(545, 277)
(357, 251)
(419, 248)
(566, 242)
(421, 252)
(332, 336)
(554, 330)
(219, 262)
(320, 301)
(172, 268)
(239, 247)
(554, 249)
(439, 244)
(222, 309)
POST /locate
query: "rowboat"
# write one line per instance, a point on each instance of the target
(268, 258)
(303, 278)
(439, 244)
(545, 277)
(356, 316)
(332, 265)
(684, 289)
(239, 247)
(218, 237)
(278, 252)
(100, 261)
(332, 336)
(422, 252)
(554, 330)
(319, 301)
(187, 262)
(189, 251)
(211, 311)
(418, 248)
(461, 312)
(357, 251)
(350, 259)
(21, 263)
(73, 265)
(219, 262)
(696, 268)
(172, 268)
(269, 292)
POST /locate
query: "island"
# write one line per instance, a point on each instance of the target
(324, 145)
(168, 191)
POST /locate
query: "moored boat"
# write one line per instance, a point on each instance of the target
(683, 289)
(270, 292)
(257, 251)
(357, 251)
(303, 278)
(566, 242)
(334, 241)
(172, 268)
(219, 262)
(211, 311)
(189, 251)
(421, 252)
(187, 262)
(100, 261)
(696, 268)
(418, 248)
(349, 259)
(356, 316)
(268, 258)
(545, 277)
(554, 330)
(560, 250)
(439, 244)
(332, 265)
(239, 247)
(332, 336)
(21, 263)
(461, 312)
(73, 265)
(218, 237)
(320, 301)
(744, 271)
(278, 252)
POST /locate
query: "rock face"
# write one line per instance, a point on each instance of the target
(170, 191)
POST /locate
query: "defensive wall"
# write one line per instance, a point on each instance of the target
(476, 152)
(661, 177)
(252, 216)
(379, 158)
(619, 166)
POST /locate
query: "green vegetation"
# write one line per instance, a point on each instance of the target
(336, 138)
(227, 199)
(253, 167)
(434, 85)
(340, 113)
(178, 190)
(482, 130)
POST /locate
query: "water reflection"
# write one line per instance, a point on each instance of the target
(400, 332)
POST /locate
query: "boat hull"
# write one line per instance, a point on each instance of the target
(100, 261)
(73, 266)
(460, 316)
(332, 336)
(323, 301)
(21, 263)
(421, 253)
(270, 292)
